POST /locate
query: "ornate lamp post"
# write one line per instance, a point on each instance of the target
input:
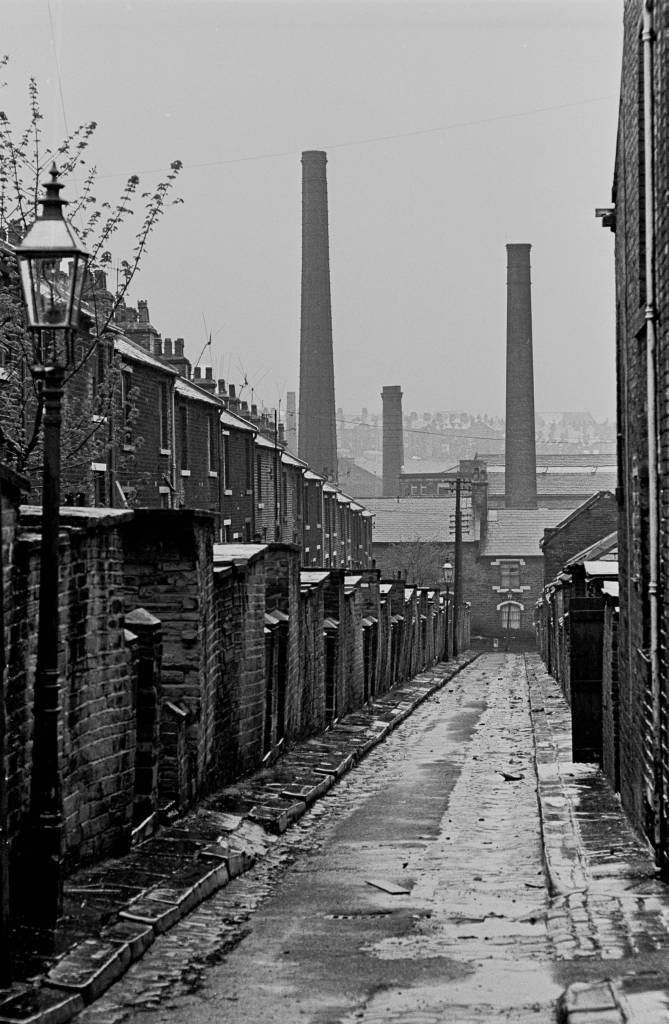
(53, 266)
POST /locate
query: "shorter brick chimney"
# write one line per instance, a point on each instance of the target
(158, 347)
(137, 326)
(178, 359)
(222, 390)
(196, 373)
(209, 383)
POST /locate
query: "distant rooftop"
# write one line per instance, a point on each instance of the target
(417, 519)
(517, 532)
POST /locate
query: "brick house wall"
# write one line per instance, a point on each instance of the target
(313, 545)
(636, 735)
(330, 528)
(610, 698)
(267, 502)
(282, 592)
(239, 514)
(333, 608)
(312, 659)
(352, 653)
(198, 442)
(97, 720)
(146, 459)
(293, 500)
(595, 519)
(482, 582)
(168, 570)
(240, 600)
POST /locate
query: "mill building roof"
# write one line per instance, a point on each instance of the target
(516, 532)
(407, 520)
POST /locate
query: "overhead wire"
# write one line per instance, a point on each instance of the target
(367, 140)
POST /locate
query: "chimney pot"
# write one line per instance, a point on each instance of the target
(196, 373)
(232, 391)
(245, 406)
(208, 373)
(179, 347)
(254, 410)
(143, 311)
(221, 387)
(157, 347)
(167, 347)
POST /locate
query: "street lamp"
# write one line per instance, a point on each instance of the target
(53, 265)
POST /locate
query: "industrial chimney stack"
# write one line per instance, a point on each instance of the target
(317, 430)
(520, 452)
(291, 422)
(393, 440)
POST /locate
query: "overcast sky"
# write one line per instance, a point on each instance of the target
(451, 129)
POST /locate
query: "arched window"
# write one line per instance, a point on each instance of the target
(510, 614)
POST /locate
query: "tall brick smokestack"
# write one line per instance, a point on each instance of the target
(520, 453)
(393, 440)
(317, 428)
(291, 422)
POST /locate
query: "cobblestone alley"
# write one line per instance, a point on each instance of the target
(466, 870)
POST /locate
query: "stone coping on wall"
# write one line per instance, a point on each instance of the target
(81, 516)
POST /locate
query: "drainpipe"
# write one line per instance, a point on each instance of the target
(173, 456)
(651, 380)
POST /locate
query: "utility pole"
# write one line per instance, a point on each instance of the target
(5, 957)
(277, 481)
(457, 584)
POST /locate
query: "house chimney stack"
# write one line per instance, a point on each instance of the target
(317, 436)
(520, 452)
(393, 440)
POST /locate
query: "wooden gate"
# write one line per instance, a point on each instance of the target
(586, 634)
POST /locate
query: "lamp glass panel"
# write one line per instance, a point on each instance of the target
(52, 286)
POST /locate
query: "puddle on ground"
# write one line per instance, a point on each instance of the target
(493, 986)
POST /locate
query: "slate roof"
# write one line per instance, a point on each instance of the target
(230, 419)
(131, 350)
(603, 550)
(563, 460)
(581, 480)
(412, 519)
(192, 391)
(517, 531)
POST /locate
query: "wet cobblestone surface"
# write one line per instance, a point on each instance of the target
(530, 880)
